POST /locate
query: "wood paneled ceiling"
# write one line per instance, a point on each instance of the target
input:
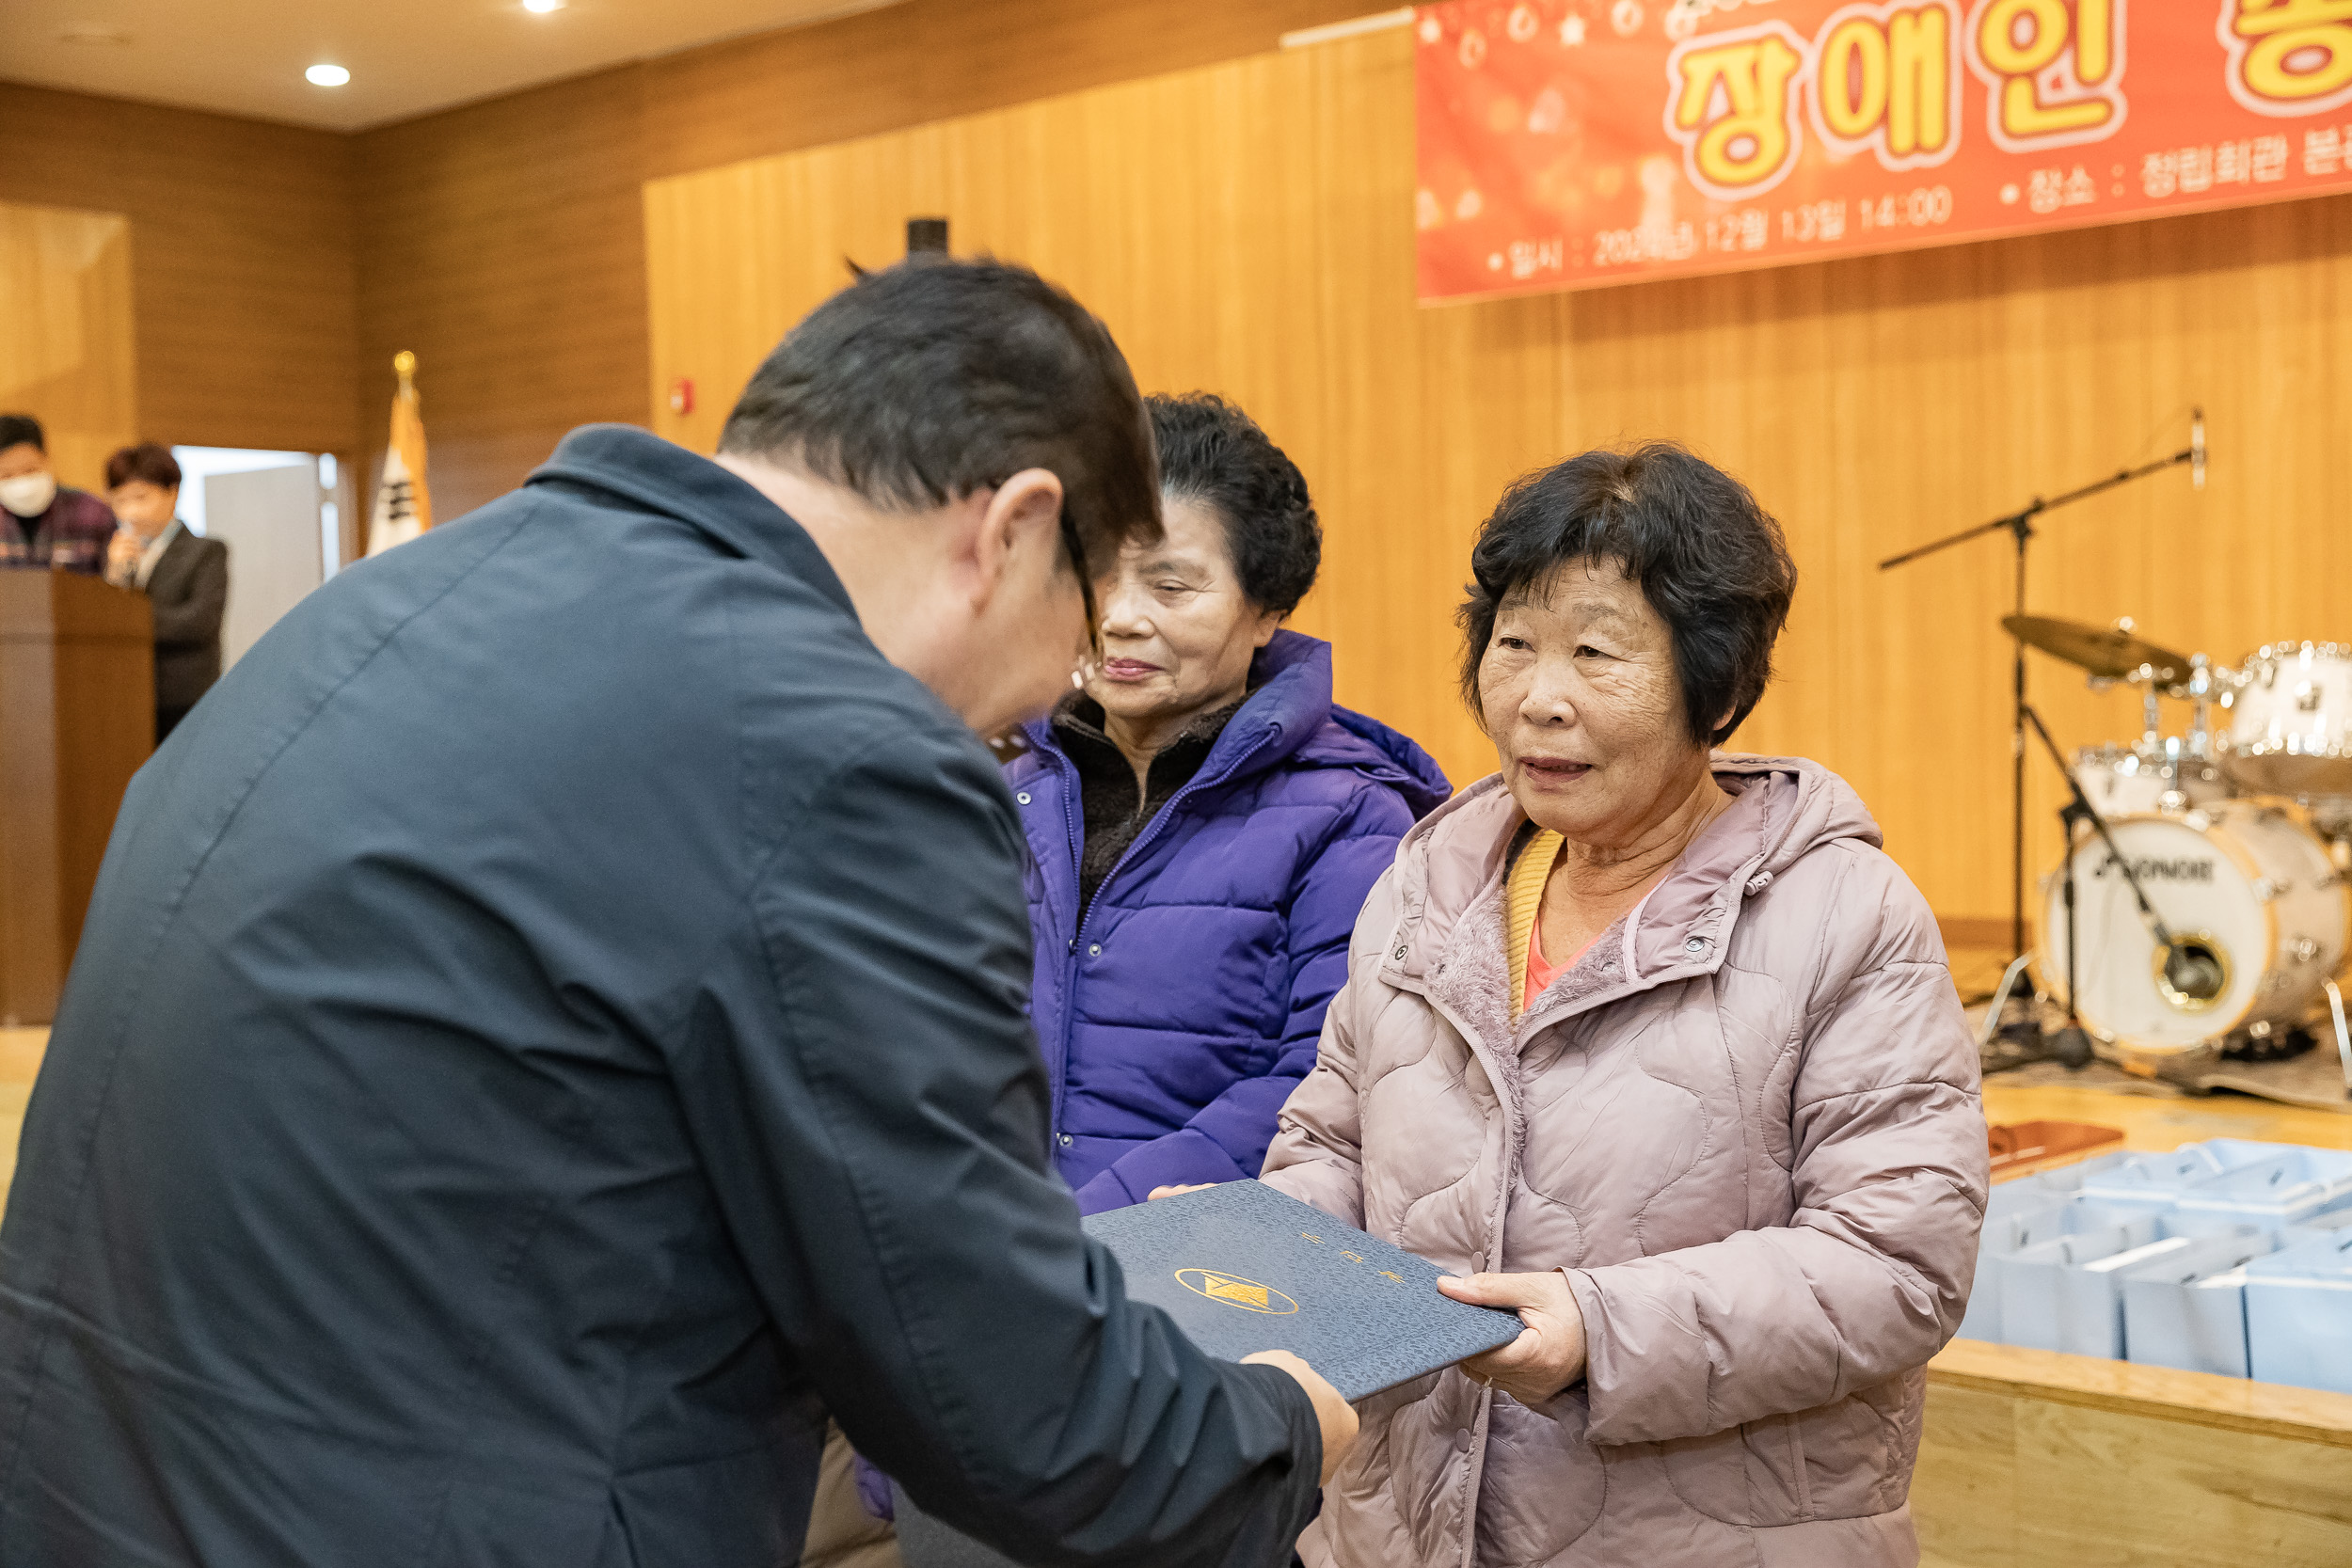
(407, 58)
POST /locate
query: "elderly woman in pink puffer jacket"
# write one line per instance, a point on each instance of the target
(1654, 1045)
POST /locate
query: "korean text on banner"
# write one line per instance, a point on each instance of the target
(1566, 144)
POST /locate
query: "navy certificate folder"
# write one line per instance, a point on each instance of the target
(1244, 1268)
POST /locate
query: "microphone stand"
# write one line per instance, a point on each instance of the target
(2019, 525)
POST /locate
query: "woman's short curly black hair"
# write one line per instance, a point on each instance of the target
(1214, 455)
(1711, 560)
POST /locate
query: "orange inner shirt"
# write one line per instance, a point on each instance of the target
(1541, 974)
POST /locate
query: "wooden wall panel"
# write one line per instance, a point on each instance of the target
(925, 60)
(1246, 227)
(67, 338)
(241, 259)
(502, 241)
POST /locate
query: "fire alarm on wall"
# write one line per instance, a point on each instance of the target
(682, 395)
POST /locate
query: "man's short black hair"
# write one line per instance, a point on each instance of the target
(1708, 555)
(1214, 455)
(932, 379)
(22, 430)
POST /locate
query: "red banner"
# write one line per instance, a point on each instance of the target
(1566, 144)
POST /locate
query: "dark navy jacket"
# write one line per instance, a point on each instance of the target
(1179, 1015)
(553, 1019)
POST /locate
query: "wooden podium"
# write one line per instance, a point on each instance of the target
(77, 717)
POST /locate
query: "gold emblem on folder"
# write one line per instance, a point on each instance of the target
(1233, 1290)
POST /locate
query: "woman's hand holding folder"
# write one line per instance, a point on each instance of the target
(1545, 1360)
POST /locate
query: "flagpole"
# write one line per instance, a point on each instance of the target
(403, 506)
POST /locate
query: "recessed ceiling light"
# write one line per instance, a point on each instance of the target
(95, 37)
(543, 6)
(327, 75)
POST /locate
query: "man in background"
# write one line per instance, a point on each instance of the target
(185, 576)
(43, 523)
(553, 1024)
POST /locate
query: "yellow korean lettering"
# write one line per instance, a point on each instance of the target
(2287, 55)
(2094, 40)
(1884, 77)
(1920, 71)
(2054, 67)
(1853, 77)
(1734, 111)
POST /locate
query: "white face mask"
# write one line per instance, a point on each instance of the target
(28, 495)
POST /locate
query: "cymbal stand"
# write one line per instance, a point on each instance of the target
(2019, 525)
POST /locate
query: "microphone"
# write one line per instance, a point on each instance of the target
(2195, 971)
(2197, 450)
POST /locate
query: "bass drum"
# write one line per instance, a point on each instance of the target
(2248, 890)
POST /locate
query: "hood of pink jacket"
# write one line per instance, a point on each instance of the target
(1787, 808)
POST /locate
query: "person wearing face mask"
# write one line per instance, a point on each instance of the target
(1204, 822)
(1651, 1042)
(43, 523)
(185, 576)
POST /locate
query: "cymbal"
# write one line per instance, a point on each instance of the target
(2100, 650)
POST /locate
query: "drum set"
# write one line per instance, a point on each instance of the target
(2202, 904)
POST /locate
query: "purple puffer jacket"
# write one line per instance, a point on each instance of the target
(1178, 1019)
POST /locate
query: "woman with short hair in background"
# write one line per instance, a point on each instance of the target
(1653, 1043)
(185, 576)
(1204, 822)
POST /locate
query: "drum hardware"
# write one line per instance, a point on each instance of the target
(2160, 772)
(2261, 881)
(2193, 969)
(2273, 921)
(2262, 920)
(2261, 1041)
(2194, 966)
(2009, 1039)
(1994, 1014)
(2343, 1035)
(2199, 691)
(2018, 525)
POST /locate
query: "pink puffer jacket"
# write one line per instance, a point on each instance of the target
(1746, 1124)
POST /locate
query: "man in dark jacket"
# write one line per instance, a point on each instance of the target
(183, 574)
(552, 1025)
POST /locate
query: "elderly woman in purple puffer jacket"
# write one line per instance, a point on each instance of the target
(1204, 823)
